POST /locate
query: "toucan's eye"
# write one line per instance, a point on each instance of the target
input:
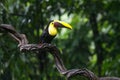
(52, 22)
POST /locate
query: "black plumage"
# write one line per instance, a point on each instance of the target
(45, 36)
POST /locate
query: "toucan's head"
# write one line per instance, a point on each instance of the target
(51, 30)
(55, 24)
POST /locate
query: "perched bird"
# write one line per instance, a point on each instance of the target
(51, 30)
(47, 36)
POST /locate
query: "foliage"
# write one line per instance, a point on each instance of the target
(91, 44)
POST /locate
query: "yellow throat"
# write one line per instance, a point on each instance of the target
(52, 30)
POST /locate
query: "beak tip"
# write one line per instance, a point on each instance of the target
(71, 28)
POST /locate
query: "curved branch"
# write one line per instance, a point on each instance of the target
(58, 61)
(54, 51)
(21, 38)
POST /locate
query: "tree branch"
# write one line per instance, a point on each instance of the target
(54, 51)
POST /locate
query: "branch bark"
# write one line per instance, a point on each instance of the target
(53, 50)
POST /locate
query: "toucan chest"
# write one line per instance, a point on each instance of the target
(46, 37)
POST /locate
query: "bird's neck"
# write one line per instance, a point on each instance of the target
(52, 30)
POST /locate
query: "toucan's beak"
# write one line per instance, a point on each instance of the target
(58, 23)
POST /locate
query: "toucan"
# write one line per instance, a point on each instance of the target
(51, 30)
(46, 37)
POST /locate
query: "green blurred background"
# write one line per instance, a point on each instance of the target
(94, 42)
